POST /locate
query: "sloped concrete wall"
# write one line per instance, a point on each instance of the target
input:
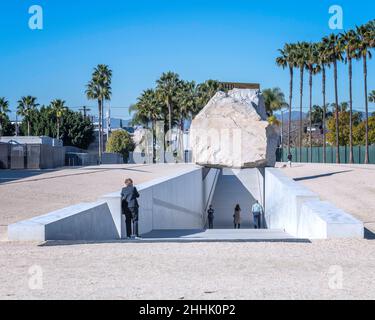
(322, 220)
(174, 202)
(295, 209)
(80, 222)
(171, 203)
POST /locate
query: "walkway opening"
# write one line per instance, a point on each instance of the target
(243, 187)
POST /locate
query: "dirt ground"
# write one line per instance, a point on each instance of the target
(333, 269)
(343, 269)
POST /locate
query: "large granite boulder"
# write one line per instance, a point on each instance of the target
(233, 131)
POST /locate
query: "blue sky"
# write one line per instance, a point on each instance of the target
(233, 40)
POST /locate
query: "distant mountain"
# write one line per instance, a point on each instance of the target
(295, 116)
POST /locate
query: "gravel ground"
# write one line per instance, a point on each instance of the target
(253, 270)
(191, 271)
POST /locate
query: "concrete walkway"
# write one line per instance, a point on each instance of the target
(229, 192)
(216, 235)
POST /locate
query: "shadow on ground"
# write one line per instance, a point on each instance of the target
(321, 175)
(369, 235)
(187, 241)
(14, 176)
(195, 236)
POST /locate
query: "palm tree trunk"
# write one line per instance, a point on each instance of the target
(28, 128)
(100, 130)
(58, 128)
(337, 113)
(290, 107)
(324, 114)
(101, 122)
(366, 105)
(169, 121)
(351, 159)
(300, 115)
(310, 133)
(153, 141)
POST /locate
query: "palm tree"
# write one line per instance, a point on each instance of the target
(148, 108)
(205, 92)
(365, 34)
(167, 86)
(99, 88)
(349, 42)
(334, 54)
(4, 109)
(324, 61)
(25, 107)
(313, 68)
(287, 59)
(274, 100)
(58, 108)
(103, 72)
(371, 97)
(301, 52)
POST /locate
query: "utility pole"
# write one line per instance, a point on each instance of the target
(17, 126)
(108, 121)
(85, 111)
(282, 129)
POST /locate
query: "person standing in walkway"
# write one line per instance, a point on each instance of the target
(290, 158)
(257, 211)
(128, 217)
(237, 217)
(211, 216)
(130, 195)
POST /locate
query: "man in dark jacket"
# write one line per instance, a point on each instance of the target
(211, 216)
(129, 196)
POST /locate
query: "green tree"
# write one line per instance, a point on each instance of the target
(360, 130)
(120, 142)
(319, 114)
(58, 108)
(371, 97)
(365, 43)
(344, 125)
(349, 42)
(148, 109)
(324, 62)
(99, 88)
(76, 130)
(187, 100)
(205, 92)
(274, 100)
(301, 51)
(4, 110)
(26, 106)
(312, 60)
(287, 59)
(334, 54)
(167, 87)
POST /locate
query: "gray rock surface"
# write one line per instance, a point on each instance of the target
(233, 131)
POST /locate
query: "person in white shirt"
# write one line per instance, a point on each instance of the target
(257, 211)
